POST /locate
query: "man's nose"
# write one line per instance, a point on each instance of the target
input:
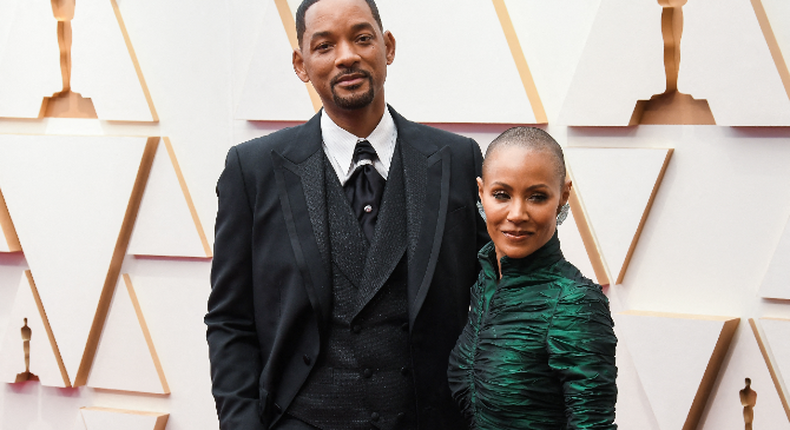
(347, 55)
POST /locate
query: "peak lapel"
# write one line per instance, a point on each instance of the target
(427, 180)
(300, 185)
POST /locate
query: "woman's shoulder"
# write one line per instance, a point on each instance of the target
(575, 286)
(582, 307)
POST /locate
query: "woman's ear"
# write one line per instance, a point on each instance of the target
(480, 188)
(566, 192)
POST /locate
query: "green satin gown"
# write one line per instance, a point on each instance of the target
(538, 349)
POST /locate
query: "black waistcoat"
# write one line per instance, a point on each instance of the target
(363, 378)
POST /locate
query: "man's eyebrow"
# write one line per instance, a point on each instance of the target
(356, 27)
(362, 26)
(319, 35)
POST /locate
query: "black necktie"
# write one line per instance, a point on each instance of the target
(365, 187)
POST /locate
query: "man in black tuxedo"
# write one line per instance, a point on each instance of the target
(344, 251)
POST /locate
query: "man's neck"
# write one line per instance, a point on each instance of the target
(359, 122)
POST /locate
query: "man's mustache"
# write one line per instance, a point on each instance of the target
(347, 72)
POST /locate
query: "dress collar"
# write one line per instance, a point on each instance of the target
(546, 255)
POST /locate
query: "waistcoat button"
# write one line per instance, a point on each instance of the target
(307, 359)
(367, 373)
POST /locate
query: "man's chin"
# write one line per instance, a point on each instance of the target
(354, 102)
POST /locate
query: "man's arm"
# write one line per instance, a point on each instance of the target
(482, 231)
(233, 344)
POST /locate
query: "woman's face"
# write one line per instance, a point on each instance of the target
(521, 193)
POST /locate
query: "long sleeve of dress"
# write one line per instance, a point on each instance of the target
(581, 345)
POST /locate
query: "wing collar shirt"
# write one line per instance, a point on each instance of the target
(339, 145)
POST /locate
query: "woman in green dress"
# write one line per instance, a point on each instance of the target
(538, 349)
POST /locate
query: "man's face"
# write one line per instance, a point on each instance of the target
(344, 54)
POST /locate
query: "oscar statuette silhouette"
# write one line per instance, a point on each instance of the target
(26, 336)
(748, 400)
(66, 103)
(672, 106)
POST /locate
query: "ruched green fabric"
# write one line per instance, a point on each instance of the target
(538, 351)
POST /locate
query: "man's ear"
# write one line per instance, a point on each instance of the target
(298, 62)
(389, 43)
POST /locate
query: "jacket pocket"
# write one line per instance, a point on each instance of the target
(457, 217)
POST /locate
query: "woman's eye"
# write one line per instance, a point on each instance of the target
(538, 197)
(501, 195)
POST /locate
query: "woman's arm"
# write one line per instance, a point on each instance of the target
(581, 345)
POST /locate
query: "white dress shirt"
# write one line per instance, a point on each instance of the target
(339, 145)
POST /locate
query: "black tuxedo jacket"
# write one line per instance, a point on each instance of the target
(271, 296)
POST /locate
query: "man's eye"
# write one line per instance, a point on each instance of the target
(365, 39)
(322, 47)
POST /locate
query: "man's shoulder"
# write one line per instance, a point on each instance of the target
(277, 140)
(420, 134)
(439, 134)
(290, 140)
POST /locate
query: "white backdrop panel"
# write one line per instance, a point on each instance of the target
(744, 361)
(615, 186)
(573, 246)
(29, 58)
(472, 76)
(776, 334)
(12, 267)
(106, 419)
(553, 35)
(725, 59)
(67, 196)
(164, 224)
(778, 11)
(776, 284)
(621, 63)
(102, 67)
(670, 354)
(272, 91)
(633, 410)
(44, 361)
(123, 359)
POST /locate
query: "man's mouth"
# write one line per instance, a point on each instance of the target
(350, 79)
